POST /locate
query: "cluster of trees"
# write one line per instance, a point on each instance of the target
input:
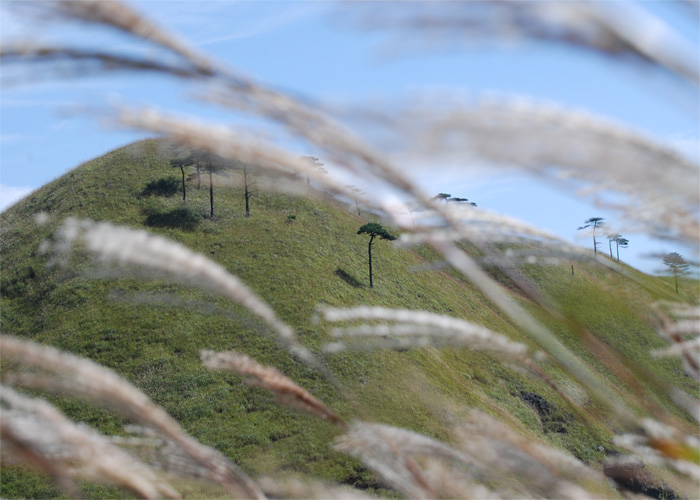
(596, 223)
(677, 265)
(210, 163)
(448, 198)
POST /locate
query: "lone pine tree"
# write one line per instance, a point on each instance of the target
(677, 266)
(248, 189)
(595, 223)
(620, 242)
(181, 163)
(374, 230)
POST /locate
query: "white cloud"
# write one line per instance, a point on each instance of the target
(266, 23)
(11, 194)
(7, 139)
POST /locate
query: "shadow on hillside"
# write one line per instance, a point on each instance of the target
(166, 186)
(179, 218)
(348, 278)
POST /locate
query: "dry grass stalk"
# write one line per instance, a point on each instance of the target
(125, 246)
(397, 469)
(452, 482)
(414, 444)
(119, 16)
(661, 201)
(305, 488)
(690, 348)
(665, 446)
(481, 226)
(536, 330)
(676, 332)
(67, 60)
(162, 453)
(76, 449)
(622, 30)
(65, 373)
(228, 143)
(265, 377)
(434, 328)
(497, 451)
(16, 449)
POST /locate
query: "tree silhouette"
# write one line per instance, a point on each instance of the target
(677, 265)
(442, 197)
(356, 196)
(249, 189)
(460, 200)
(595, 223)
(181, 163)
(611, 238)
(213, 163)
(620, 242)
(374, 230)
(313, 161)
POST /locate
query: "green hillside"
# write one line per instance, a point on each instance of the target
(299, 252)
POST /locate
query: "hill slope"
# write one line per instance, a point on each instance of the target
(297, 253)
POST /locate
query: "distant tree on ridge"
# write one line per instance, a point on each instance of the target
(214, 164)
(595, 223)
(356, 196)
(442, 197)
(461, 200)
(620, 242)
(248, 189)
(677, 265)
(313, 161)
(181, 163)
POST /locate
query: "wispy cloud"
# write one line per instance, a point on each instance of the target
(7, 139)
(206, 23)
(265, 24)
(9, 195)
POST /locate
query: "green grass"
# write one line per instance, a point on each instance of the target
(297, 264)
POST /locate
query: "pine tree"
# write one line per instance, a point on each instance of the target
(595, 223)
(677, 265)
(374, 230)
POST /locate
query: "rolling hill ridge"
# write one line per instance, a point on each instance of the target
(300, 252)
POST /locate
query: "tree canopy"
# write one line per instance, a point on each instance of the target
(677, 265)
(594, 223)
(374, 230)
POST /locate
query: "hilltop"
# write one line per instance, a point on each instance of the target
(300, 251)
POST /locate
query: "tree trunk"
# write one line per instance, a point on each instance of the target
(182, 169)
(610, 246)
(675, 275)
(211, 191)
(247, 192)
(369, 250)
(595, 245)
(617, 249)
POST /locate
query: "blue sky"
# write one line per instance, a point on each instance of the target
(310, 49)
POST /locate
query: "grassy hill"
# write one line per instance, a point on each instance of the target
(299, 252)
